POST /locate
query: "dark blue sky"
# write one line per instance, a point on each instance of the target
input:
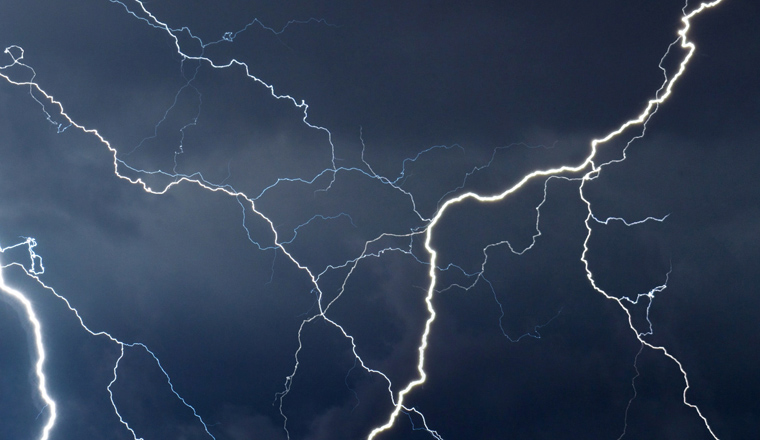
(409, 105)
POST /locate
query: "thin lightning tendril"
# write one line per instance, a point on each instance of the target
(584, 172)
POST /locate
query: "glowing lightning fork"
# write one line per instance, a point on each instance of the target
(39, 346)
(641, 119)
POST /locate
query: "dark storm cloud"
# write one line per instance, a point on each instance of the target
(178, 272)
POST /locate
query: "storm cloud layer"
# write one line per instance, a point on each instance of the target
(283, 293)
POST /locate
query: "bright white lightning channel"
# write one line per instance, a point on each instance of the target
(39, 346)
(585, 171)
(661, 96)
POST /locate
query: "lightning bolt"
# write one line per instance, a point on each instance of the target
(39, 346)
(18, 73)
(591, 170)
(34, 272)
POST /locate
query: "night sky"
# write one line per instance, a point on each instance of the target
(236, 196)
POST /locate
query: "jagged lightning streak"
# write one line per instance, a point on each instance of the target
(34, 271)
(661, 96)
(39, 346)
